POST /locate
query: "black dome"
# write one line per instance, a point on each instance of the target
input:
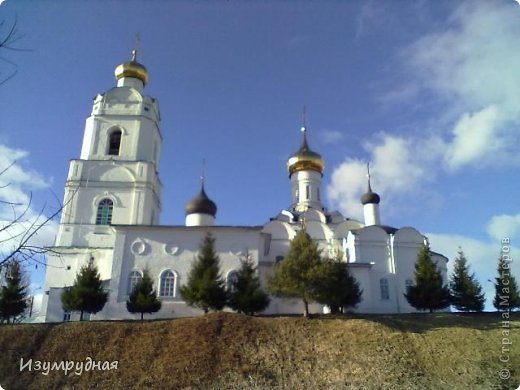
(201, 204)
(370, 198)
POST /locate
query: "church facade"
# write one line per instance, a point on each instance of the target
(112, 205)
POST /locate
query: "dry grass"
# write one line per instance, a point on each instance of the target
(230, 351)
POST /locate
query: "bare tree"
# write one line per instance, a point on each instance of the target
(17, 233)
(9, 37)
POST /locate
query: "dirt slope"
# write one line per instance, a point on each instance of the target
(230, 351)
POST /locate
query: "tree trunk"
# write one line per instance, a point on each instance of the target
(206, 310)
(81, 315)
(306, 308)
(142, 315)
(431, 310)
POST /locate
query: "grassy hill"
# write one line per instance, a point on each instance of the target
(231, 351)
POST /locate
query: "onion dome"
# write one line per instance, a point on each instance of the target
(132, 69)
(201, 204)
(305, 159)
(369, 197)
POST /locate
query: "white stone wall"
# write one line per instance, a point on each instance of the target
(172, 248)
(199, 219)
(300, 181)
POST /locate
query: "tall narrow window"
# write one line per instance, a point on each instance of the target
(307, 192)
(318, 194)
(385, 295)
(114, 143)
(134, 278)
(104, 212)
(167, 284)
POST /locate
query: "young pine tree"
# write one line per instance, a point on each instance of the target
(13, 294)
(246, 295)
(87, 293)
(294, 276)
(507, 295)
(143, 298)
(428, 292)
(205, 288)
(466, 291)
(335, 286)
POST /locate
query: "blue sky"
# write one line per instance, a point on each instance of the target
(428, 91)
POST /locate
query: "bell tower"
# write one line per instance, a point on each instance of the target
(305, 169)
(115, 180)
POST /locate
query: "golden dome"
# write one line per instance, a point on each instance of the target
(305, 159)
(132, 69)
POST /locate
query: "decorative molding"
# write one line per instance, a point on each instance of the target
(170, 249)
(139, 247)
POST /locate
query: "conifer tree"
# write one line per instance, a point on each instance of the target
(507, 295)
(246, 294)
(13, 294)
(143, 298)
(205, 288)
(335, 286)
(295, 275)
(466, 291)
(87, 293)
(428, 291)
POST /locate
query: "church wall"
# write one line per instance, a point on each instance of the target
(63, 265)
(406, 244)
(372, 246)
(362, 275)
(172, 248)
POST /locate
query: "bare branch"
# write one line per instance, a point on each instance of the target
(23, 228)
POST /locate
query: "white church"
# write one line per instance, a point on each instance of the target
(112, 205)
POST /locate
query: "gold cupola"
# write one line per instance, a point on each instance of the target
(132, 69)
(305, 159)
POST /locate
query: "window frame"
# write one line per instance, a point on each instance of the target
(104, 211)
(112, 148)
(171, 284)
(384, 289)
(132, 280)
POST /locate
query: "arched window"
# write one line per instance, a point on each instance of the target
(231, 279)
(134, 278)
(167, 284)
(104, 212)
(383, 284)
(114, 143)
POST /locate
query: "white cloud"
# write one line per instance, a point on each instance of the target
(475, 138)
(475, 57)
(15, 179)
(347, 184)
(398, 166)
(17, 182)
(505, 226)
(472, 64)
